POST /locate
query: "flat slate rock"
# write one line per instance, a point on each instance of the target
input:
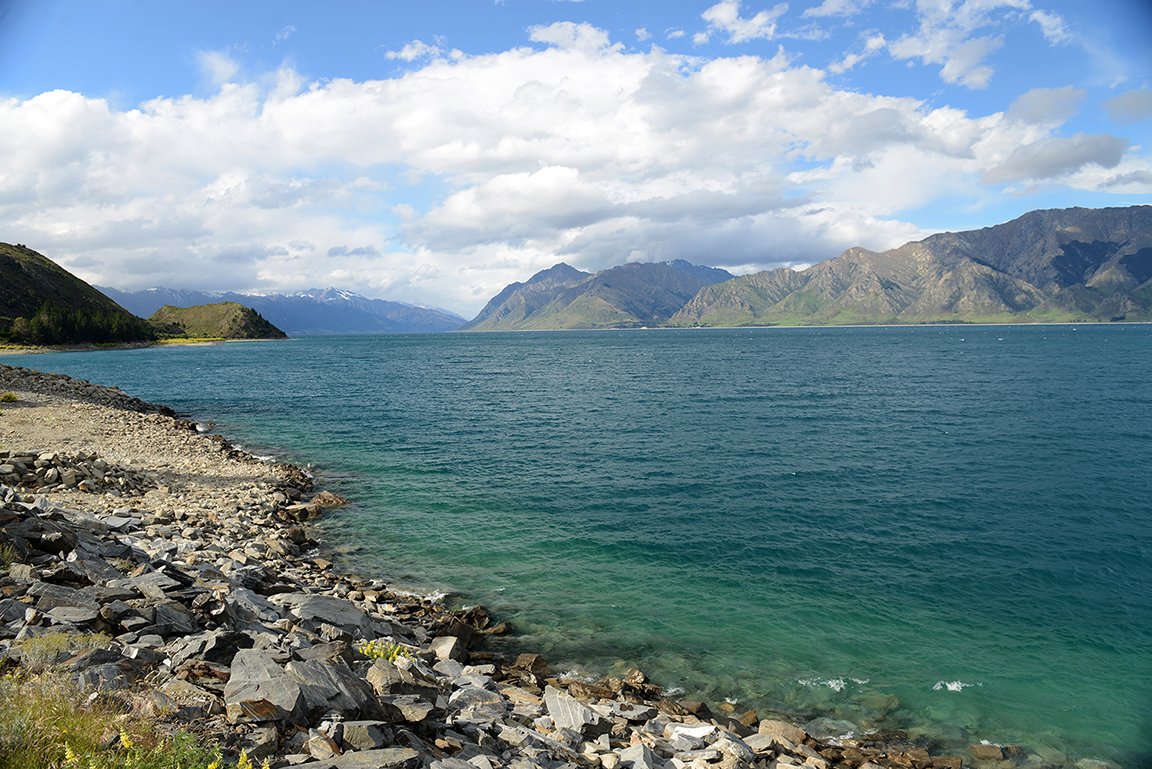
(385, 758)
(322, 609)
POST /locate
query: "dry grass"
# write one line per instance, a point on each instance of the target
(45, 723)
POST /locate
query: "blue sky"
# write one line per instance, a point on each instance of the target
(434, 152)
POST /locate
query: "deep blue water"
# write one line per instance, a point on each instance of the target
(947, 530)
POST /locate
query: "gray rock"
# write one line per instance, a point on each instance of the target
(567, 712)
(251, 607)
(261, 690)
(385, 758)
(261, 742)
(332, 686)
(366, 735)
(407, 707)
(319, 610)
(632, 711)
(640, 757)
(73, 615)
(173, 618)
(477, 706)
(449, 668)
(731, 745)
(11, 609)
(50, 596)
(96, 570)
(104, 677)
(448, 648)
(760, 743)
(793, 734)
(320, 745)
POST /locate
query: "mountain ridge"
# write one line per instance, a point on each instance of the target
(312, 312)
(1054, 265)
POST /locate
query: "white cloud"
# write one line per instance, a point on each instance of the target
(725, 17)
(1047, 105)
(216, 66)
(947, 35)
(566, 34)
(642, 35)
(412, 51)
(284, 33)
(1130, 107)
(837, 8)
(446, 182)
(1052, 26)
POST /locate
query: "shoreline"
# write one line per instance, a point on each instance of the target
(497, 706)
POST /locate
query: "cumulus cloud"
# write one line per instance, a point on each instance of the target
(725, 17)
(1130, 107)
(1057, 156)
(1047, 105)
(445, 182)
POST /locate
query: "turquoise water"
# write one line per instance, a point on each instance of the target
(947, 530)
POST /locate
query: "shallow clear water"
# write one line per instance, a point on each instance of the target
(947, 530)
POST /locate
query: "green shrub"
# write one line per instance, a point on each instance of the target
(8, 398)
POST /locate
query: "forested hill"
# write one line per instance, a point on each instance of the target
(42, 303)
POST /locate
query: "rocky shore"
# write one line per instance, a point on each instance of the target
(197, 565)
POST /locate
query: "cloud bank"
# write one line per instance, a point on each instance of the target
(449, 180)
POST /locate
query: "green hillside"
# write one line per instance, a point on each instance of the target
(42, 303)
(226, 320)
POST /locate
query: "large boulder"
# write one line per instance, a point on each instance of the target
(332, 686)
(312, 611)
(260, 690)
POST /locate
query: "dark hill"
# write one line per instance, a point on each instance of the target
(42, 303)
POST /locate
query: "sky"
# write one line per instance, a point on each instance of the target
(434, 152)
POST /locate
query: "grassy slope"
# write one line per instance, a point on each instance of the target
(227, 320)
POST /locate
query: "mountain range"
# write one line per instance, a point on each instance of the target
(316, 311)
(629, 296)
(1074, 264)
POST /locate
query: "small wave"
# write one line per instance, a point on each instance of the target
(576, 674)
(835, 684)
(674, 691)
(952, 686)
